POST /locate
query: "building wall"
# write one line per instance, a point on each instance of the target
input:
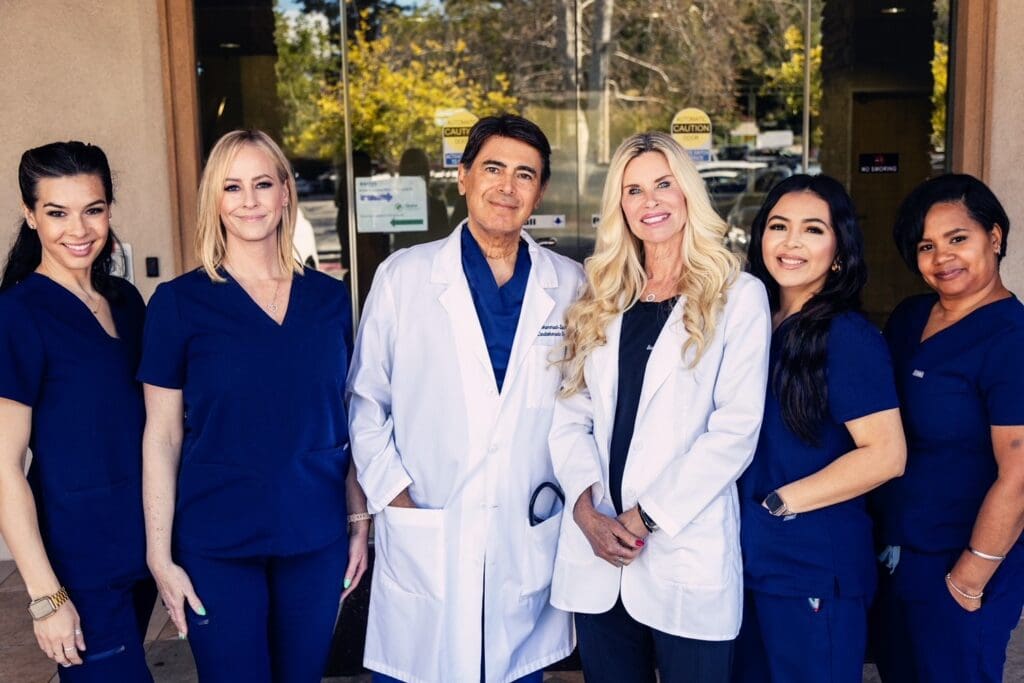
(90, 71)
(1005, 165)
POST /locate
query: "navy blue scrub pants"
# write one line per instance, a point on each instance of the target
(614, 648)
(801, 640)
(268, 619)
(920, 634)
(114, 621)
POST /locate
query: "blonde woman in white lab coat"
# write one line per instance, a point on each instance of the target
(662, 399)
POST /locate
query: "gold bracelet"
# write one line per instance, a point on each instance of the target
(956, 588)
(358, 517)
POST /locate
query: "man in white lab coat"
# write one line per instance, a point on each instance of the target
(451, 394)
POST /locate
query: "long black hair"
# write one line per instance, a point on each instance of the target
(799, 380)
(59, 160)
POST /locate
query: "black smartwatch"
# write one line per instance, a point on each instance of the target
(775, 505)
(648, 522)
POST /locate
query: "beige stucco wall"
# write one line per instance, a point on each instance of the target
(1006, 159)
(90, 71)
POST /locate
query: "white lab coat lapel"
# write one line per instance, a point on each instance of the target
(537, 305)
(603, 383)
(457, 300)
(665, 357)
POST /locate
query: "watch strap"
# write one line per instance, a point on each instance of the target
(651, 525)
(54, 601)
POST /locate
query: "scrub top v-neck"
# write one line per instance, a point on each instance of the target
(497, 308)
(265, 449)
(953, 386)
(87, 421)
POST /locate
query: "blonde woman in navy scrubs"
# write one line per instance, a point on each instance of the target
(70, 338)
(831, 433)
(246, 454)
(953, 587)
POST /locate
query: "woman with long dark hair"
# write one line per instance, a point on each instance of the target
(953, 589)
(70, 339)
(831, 433)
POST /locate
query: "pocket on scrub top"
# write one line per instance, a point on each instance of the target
(411, 549)
(538, 555)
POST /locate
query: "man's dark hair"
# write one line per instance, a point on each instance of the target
(509, 126)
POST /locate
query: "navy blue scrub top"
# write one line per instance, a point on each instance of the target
(497, 308)
(953, 387)
(830, 551)
(265, 449)
(87, 421)
(641, 326)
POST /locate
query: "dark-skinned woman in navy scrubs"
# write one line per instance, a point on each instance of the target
(831, 433)
(952, 586)
(70, 338)
(246, 460)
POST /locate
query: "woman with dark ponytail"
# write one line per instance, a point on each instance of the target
(70, 340)
(831, 433)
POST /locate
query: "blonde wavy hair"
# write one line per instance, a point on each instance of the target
(211, 238)
(615, 272)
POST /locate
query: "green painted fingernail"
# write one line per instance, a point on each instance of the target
(201, 611)
(348, 582)
(181, 636)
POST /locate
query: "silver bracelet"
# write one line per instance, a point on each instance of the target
(956, 589)
(358, 517)
(986, 556)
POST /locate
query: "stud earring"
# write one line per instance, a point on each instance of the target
(836, 267)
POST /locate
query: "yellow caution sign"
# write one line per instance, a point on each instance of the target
(691, 128)
(455, 135)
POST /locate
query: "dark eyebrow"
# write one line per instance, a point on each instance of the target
(954, 231)
(502, 164)
(92, 203)
(259, 177)
(780, 217)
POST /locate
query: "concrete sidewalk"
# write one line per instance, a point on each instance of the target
(171, 662)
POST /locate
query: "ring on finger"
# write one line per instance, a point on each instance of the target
(78, 631)
(69, 649)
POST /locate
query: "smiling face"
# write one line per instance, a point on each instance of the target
(72, 217)
(502, 187)
(956, 255)
(799, 245)
(653, 201)
(253, 197)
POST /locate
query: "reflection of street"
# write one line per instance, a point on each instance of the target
(321, 212)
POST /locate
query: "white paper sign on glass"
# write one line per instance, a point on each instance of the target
(396, 204)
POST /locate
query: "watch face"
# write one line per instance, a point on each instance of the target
(40, 608)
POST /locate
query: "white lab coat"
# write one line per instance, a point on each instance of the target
(696, 431)
(425, 412)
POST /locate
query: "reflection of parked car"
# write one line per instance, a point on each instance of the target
(304, 242)
(748, 202)
(725, 181)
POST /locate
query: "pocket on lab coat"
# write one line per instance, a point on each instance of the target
(538, 558)
(411, 549)
(701, 555)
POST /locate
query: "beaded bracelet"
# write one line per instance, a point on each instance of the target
(956, 589)
(358, 517)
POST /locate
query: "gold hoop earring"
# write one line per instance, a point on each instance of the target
(836, 267)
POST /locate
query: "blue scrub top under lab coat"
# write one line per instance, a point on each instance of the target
(87, 420)
(826, 552)
(953, 388)
(497, 308)
(265, 449)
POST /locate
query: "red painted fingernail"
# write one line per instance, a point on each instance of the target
(639, 543)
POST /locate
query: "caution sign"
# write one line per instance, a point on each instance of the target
(454, 136)
(691, 128)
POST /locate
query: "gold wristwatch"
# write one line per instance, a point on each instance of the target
(48, 604)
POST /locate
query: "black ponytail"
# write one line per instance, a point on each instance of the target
(59, 160)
